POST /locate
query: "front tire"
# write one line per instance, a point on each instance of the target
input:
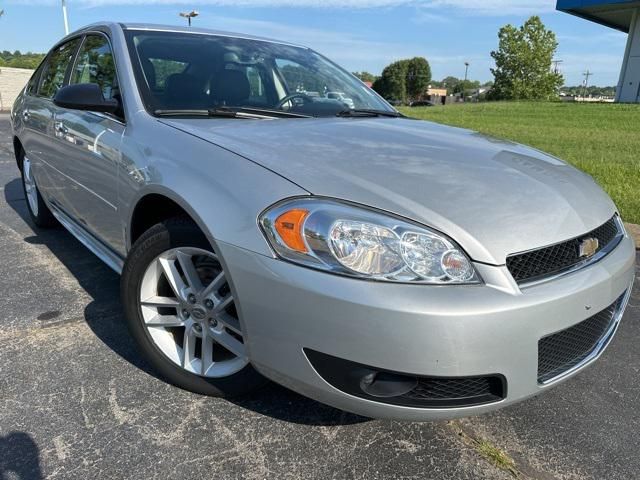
(181, 312)
(38, 209)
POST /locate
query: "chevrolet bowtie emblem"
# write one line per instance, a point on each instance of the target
(588, 247)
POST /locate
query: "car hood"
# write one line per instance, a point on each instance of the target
(491, 196)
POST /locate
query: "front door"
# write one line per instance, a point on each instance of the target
(92, 144)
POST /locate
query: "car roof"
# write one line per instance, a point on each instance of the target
(151, 27)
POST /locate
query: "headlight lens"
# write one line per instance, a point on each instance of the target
(355, 241)
(365, 248)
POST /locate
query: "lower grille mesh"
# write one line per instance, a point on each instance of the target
(470, 390)
(562, 351)
(398, 388)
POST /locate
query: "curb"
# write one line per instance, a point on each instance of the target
(634, 231)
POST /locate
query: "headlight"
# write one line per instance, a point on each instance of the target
(356, 241)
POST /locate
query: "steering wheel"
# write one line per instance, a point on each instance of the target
(288, 98)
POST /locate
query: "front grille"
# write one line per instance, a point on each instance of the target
(563, 350)
(460, 391)
(547, 261)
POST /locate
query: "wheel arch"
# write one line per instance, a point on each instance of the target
(155, 206)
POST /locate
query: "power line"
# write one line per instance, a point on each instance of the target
(556, 66)
(586, 75)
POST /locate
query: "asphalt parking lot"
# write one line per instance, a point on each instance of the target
(77, 402)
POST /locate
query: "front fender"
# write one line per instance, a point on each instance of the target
(223, 192)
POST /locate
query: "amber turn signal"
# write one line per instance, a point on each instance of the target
(289, 226)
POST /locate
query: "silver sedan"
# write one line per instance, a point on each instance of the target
(266, 228)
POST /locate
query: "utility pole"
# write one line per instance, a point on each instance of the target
(64, 16)
(556, 66)
(586, 75)
(189, 15)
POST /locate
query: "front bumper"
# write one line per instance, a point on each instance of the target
(431, 331)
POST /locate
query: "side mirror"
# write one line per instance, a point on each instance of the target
(85, 96)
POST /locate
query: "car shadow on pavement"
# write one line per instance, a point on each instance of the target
(104, 317)
(19, 457)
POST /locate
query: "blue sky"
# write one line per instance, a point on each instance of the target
(358, 34)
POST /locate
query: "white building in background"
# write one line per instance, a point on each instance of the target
(623, 15)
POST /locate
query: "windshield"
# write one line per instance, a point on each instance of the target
(183, 71)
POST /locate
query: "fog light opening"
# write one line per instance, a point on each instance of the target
(387, 385)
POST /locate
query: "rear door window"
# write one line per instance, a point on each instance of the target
(55, 68)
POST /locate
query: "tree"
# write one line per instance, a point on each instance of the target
(523, 63)
(466, 86)
(404, 79)
(20, 60)
(593, 90)
(366, 76)
(392, 84)
(418, 77)
(450, 82)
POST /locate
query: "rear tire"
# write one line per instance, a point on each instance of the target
(181, 312)
(38, 209)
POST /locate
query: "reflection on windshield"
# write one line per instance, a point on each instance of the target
(182, 71)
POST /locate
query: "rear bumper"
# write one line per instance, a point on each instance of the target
(452, 331)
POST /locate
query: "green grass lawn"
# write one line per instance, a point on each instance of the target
(601, 139)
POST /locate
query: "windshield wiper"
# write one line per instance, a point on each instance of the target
(197, 113)
(270, 112)
(229, 112)
(363, 112)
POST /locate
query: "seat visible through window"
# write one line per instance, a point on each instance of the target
(184, 91)
(230, 87)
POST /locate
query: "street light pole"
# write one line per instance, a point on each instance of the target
(64, 16)
(189, 15)
(466, 71)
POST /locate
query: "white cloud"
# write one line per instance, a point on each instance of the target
(493, 7)
(477, 7)
(238, 3)
(610, 38)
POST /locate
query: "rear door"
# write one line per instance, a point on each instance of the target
(38, 113)
(91, 142)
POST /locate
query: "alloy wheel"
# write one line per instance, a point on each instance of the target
(30, 186)
(189, 312)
